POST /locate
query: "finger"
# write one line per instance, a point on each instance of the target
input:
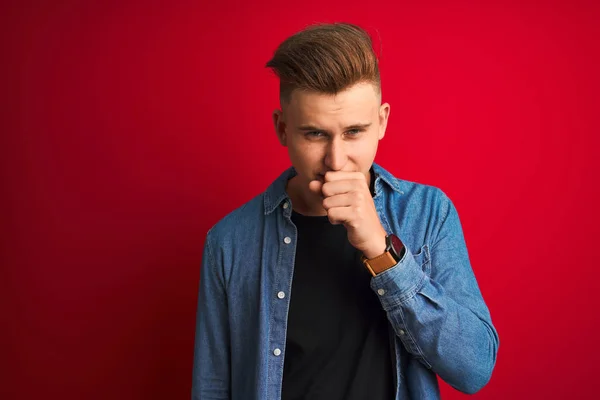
(340, 187)
(339, 200)
(339, 215)
(331, 176)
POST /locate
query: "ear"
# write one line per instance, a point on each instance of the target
(384, 113)
(279, 124)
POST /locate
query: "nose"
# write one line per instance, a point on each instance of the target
(336, 156)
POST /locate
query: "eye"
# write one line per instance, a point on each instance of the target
(354, 132)
(315, 134)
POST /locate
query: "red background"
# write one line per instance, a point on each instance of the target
(130, 128)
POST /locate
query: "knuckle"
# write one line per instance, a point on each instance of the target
(359, 196)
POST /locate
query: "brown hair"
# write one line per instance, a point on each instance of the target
(326, 58)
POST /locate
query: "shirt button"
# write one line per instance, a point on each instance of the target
(287, 240)
(402, 332)
(277, 352)
(285, 205)
(281, 295)
(380, 292)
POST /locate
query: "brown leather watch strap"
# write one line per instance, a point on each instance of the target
(380, 263)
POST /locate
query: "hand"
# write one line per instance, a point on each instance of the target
(348, 201)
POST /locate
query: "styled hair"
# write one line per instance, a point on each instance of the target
(325, 58)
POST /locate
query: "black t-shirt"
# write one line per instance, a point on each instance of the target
(337, 343)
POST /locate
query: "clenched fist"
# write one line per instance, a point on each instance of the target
(348, 201)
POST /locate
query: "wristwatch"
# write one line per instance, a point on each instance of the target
(394, 251)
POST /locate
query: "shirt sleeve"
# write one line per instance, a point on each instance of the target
(434, 304)
(211, 370)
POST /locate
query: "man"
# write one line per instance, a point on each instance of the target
(340, 281)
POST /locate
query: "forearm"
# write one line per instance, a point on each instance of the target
(455, 341)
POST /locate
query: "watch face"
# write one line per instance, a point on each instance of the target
(397, 246)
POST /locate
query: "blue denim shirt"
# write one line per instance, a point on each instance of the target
(439, 323)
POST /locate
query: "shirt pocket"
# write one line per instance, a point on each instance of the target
(423, 258)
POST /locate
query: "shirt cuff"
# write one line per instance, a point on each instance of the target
(396, 285)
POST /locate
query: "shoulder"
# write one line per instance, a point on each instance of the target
(239, 221)
(413, 194)
(424, 194)
(419, 206)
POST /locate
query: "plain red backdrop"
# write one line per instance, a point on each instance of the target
(129, 128)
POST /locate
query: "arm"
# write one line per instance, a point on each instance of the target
(442, 318)
(211, 372)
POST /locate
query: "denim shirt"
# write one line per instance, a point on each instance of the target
(439, 322)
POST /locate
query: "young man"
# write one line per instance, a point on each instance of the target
(340, 281)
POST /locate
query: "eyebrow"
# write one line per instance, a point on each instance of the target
(315, 128)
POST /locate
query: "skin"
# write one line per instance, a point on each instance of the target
(332, 141)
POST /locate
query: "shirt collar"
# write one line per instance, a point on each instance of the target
(276, 194)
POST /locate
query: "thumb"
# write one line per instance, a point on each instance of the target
(315, 187)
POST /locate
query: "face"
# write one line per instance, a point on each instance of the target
(326, 132)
